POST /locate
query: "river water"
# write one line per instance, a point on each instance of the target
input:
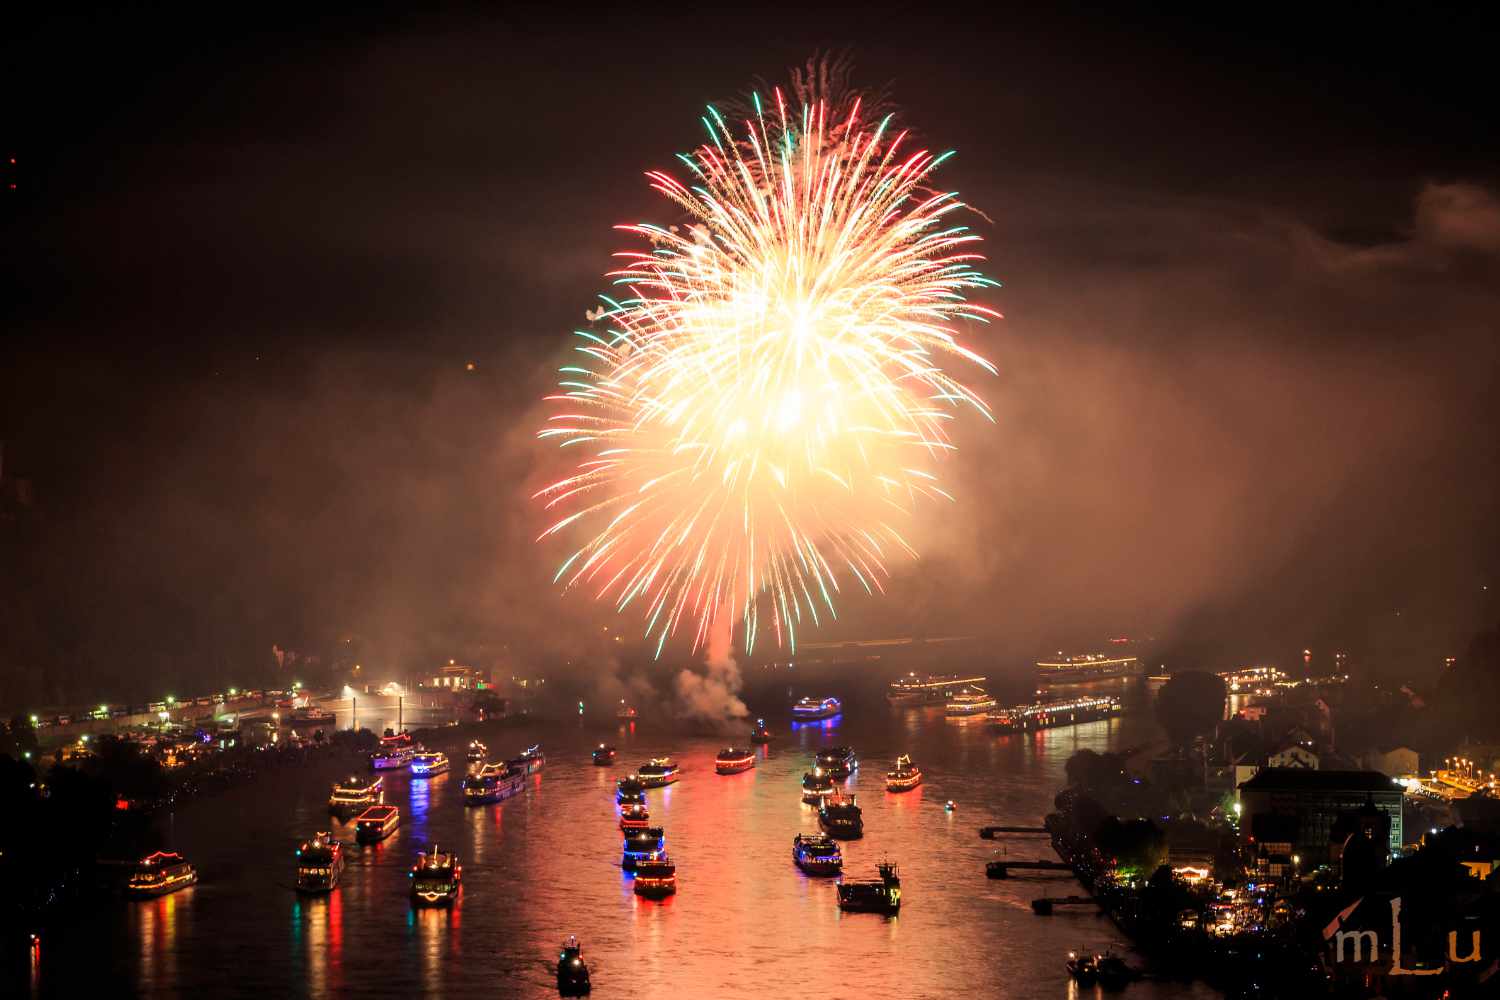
(544, 864)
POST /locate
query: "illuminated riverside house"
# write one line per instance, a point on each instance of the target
(1301, 811)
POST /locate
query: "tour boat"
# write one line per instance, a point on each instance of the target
(968, 702)
(436, 878)
(816, 854)
(572, 973)
(1049, 714)
(492, 783)
(839, 762)
(630, 789)
(658, 772)
(376, 823)
(355, 794)
(477, 752)
(817, 785)
(655, 877)
(604, 755)
(625, 712)
(320, 863)
(840, 817)
(161, 873)
(883, 896)
(904, 776)
(927, 689)
(428, 763)
(634, 817)
(732, 761)
(640, 844)
(809, 709)
(392, 758)
(760, 735)
(530, 761)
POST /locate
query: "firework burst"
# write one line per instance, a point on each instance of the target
(764, 400)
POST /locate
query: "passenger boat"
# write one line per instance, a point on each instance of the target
(904, 776)
(625, 713)
(320, 863)
(392, 758)
(1082, 967)
(732, 760)
(641, 844)
(969, 702)
(436, 878)
(760, 735)
(428, 763)
(655, 877)
(159, 874)
(817, 854)
(530, 761)
(927, 689)
(477, 752)
(840, 817)
(1050, 714)
(355, 794)
(603, 755)
(810, 709)
(883, 896)
(839, 762)
(817, 785)
(310, 716)
(634, 817)
(376, 823)
(492, 783)
(658, 772)
(630, 789)
(572, 973)
(1084, 668)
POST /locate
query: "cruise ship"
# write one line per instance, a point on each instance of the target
(810, 709)
(732, 760)
(1050, 714)
(161, 873)
(1084, 668)
(969, 701)
(928, 689)
(355, 794)
(492, 783)
(658, 772)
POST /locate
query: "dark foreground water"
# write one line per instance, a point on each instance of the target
(745, 922)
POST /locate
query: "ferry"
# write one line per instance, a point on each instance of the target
(970, 701)
(391, 758)
(1049, 714)
(810, 709)
(883, 896)
(839, 762)
(310, 715)
(817, 854)
(428, 763)
(492, 783)
(530, 761)
(760, 735)
(572, 973)
(817, 785)
(376, 823)
(436, 878)
(354, 794)
(477, 752)
(630, 789)
(604, 755)
(625, 713)
(840, 817)
(655, 877)
(320, 863)
(928, 689)
(732, 760)
(159, 874)
(904, 776)
(658, 772)
(634, 817)
(641, 844)
(1084, 668)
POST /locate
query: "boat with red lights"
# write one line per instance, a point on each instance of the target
(391, 738)
(355, 794)
(839, 762)
(436, 878)
(817, 854)
(492, 783)
(376, 823)
(732, 760)
(159, 874)
(812, 709)
(320, 863)
(873, 896)
(625, 713)
(760, 735)
(841, 817)
(655, 877)
(604, 755)
(817, 785)
(634, 817)
(531, 760)
(904, 776)
(658, 772)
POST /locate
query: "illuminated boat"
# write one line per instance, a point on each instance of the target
(1050, 714)
(159, 874)
(376, 823)
(968, 702)
(927, 689)
(355, 794)
(809, 709)
(392, 758)
(1084, 968)
(625, 713)
(428, 763)
(395, 739)
(492, 783)
(655, 877)
(839, 762)
(634, 817)
(630, 789)
(904, 776)
(320, 863)
(604, 755)
(1084, 668)
(840, 817)
(732, 760)
(531, 760)
(436, 878)
(760, 735)
(658, 772)
(817, 785)
(872, 896)
(572, 973)
(310, 716)
(477, 752)
(817, 854)
(641, 844)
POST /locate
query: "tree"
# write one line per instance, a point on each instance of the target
(1190, 705)
(1137, 846)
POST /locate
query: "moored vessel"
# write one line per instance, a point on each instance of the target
(356, 793)
(732, 760)
(310, 715)
(970, 701)
(658, 772)
(320, 863)
(376, 823)
(811, 709)
(817, 854)
(841, 817)
(904, 776)
(873, 896)
(159, 874)
(436, 878)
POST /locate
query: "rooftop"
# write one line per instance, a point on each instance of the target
(1300, 779)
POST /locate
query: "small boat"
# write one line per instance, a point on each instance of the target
(882, 896)
(530, 761)
(760, 735)
(810, 709)
(641, 844)
(816, 854)
(655, 877)
(904, 776)
(310, 716)
(658, 772)
(839, 762)
(625, 712)
(436, 878)
(949, 806)
(1113, 973)
(634, 817)
(320, 863)
(355, 794)
(376, 823)
(159, 874)
(603, 755)
(1083, 968)
(732, 760)
(969, 702)
(392, 758)
(477, 752)
(840, 817)
(572, 973)
(492, 783)
(428, 763)
(817, 785)
(630, 789)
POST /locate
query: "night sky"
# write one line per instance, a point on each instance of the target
(1251, 284)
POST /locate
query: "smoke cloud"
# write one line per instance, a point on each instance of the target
(713, 696)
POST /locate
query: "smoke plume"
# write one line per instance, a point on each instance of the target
(713, 696)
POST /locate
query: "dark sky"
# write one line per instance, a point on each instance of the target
(1245, 404)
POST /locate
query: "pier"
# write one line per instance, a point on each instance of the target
(1042, 905)
(991, 832)
(1002, 869)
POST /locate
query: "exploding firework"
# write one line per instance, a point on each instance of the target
(764, 400)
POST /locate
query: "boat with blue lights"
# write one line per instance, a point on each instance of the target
(530, 761)
(436, 878)
(812, 709)
(355, 794)
(391, 758)
(817, 785)
(732, 760)
(817, 854)
(159, 874)
(655, 877)
(904, 776)
(428, 763)
(841, 817)
(873, 896)
(376, 823)
(641, 844)
(604, 755)
(492, 783)
(634, 817)
(658, 772)
(760, 735)
(630, 789)
(839, 762)
(320, 863)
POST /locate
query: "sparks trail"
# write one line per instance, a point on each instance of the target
(764, 401)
